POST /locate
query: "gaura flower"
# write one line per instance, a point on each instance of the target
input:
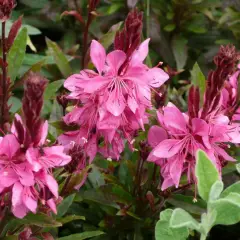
(176, 142)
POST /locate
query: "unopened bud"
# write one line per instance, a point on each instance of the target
(6, 7)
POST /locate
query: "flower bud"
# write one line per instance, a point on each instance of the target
(6, 7)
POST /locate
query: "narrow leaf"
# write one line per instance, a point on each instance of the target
(14, 31)
(59, 57)
(198, 79)
(52, 88)
(16, 54)
(179, 47)
(64, 205)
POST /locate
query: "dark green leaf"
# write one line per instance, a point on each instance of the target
(82, 236)
(179, 47)
(64, 205)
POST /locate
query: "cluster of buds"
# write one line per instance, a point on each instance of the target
(6, 7)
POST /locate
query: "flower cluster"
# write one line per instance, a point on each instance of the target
(26, 162)
(111, 103)
(208, 128)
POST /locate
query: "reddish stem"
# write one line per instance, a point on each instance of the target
(85, 38)
(4, 74)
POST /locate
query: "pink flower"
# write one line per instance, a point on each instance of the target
(47, 157)
(175, 143)
(13, 167)
(230, 96)
(114, 99)
(26, 172)
(119, 86)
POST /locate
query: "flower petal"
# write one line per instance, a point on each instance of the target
(116, 103)
(140, 53)
(98, 55)
(156, 135)
(9, 145)
(174, 118)
(114, 60)
(157, 77)
(167, 148)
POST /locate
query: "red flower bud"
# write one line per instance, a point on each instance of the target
(6, 7)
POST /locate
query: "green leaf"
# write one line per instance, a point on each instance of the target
(31, 59)
(15, 104)
(216, 190)
(40, 220)
(64, 205)
(187, 203)
(52, 88)
(232, 188)
(166, 214)
(70, 218)
(180, 218)
(170, 27)
(30, 29)
(10, 238)
(179, 47)
(35, 4)
(198, 79)
(228, 209)
(107, 39)
(207, 221)
(206, 174)
(16, 54)
(59, 57)
(56, 114)
(82, 236)
(163, 231)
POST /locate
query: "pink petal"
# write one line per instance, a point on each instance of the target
(8, 177)
(167, 148)
(174, 118)
(157, 77)
(116, 103)
(91, 148)
(44, 133)
(200, 127)
(156, 135)
(176, 168)
(51, 203)
(168, 182)
(224, 154)
(94, 84)
(9, 145)
(115, 60)
(32, 157)
(55, 156)
(98, 55)
(140, 53)
(17, 194)
(25, 174)
(52, 184)
(20, 211)
(29, 201)
(109, 122)
(132, 103)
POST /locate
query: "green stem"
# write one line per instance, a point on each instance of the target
(203, 237)
(148, 19)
